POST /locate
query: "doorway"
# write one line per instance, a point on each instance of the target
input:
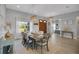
(43, 25)
(77, 27)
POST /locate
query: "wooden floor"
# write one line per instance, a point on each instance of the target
(57, 45)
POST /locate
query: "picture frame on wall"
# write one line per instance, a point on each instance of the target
(35, 23)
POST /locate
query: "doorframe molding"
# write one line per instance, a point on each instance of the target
(77, 20)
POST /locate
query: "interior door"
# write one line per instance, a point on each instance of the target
(43, 26)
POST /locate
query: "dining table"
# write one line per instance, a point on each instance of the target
(36, 39)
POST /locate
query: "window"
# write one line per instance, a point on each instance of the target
(22, 26)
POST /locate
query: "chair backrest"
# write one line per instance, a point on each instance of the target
(45, 38)
(24, 36)
(31, 39)
(47, 35)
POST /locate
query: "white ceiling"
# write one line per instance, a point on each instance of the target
(44, 9)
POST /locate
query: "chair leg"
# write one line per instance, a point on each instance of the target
(32, 47)
(41, 48)
(47, 48)
(27, 47)
(35, 47)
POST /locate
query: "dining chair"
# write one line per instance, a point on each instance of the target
(31, 43)
(24, 39)
(27, 41)
(43, 43)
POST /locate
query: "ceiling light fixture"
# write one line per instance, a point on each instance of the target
(44, 21)
(40, 20)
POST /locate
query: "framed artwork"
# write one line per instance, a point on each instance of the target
(35, 23)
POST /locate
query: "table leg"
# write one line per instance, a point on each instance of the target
(41, 49)
(33, 45)
(72, 35)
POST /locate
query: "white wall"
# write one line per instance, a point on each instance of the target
(71, 21)
(12, 16)
(2, 18)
